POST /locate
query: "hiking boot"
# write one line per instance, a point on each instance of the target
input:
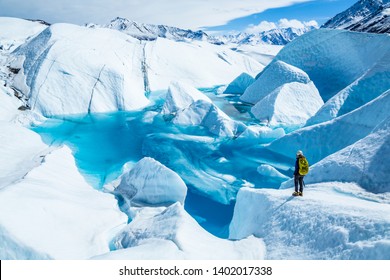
(300, 193)
(295, 193)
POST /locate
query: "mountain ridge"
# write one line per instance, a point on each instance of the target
(364, 16)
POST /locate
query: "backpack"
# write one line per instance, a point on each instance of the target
(303, 166)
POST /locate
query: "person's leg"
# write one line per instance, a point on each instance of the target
(300, 183)
(296, 178)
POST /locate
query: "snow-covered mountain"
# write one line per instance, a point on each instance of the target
(278, 36)
(141, 31)
(365, 16)
(151, 32)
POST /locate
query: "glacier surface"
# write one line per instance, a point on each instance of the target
(204, 178)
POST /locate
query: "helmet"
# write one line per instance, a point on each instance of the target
(299, 153)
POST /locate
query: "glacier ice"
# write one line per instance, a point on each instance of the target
(327, 223)
(276, 74)
(151, 183)
(180, 96)
(52, 204)
(240, 84)
(101, 77)
(49, 210)
(320, 140)
(289, 105)
(175, 225)
(363, 162)
(210, 116)
(336, 59)
(72, 58)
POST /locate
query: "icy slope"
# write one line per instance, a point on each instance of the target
(336, 59)
(321, 140)
(68, 69)
(55, 212)
(367, 87)
(199, 64)
(364, 162)
(175, 233)
(15, 31)
(331, 221)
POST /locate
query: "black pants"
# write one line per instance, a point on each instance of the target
(298, 179)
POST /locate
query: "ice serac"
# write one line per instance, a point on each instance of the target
(273, 76)
(67, 69)
(240, 84)
(174, 226)
(337, 59)
(290, 105)
(151, 183)
(55, 213)
(364, 162)
(180, 96)
(208, 115)
(333, 221)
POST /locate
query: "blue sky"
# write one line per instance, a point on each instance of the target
(320, 11)
(210, 15)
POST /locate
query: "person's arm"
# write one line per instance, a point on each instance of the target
(296, 167)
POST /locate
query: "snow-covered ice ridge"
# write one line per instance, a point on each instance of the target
(49, 211)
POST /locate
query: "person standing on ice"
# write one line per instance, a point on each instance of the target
(301, 169)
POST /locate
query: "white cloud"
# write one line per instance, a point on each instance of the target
(263, 26)
(282, 23)
(181, 13)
